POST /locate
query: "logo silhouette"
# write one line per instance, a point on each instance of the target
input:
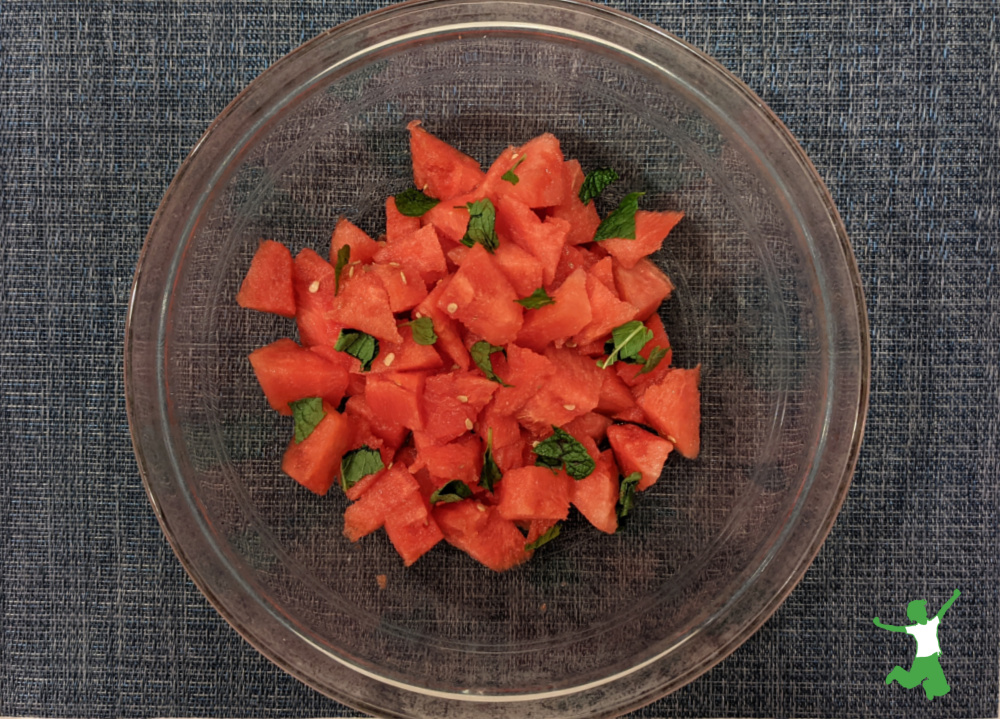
(926, 669)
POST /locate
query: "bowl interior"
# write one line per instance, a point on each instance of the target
(753, 306)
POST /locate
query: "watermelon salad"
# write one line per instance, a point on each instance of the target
(494, 360)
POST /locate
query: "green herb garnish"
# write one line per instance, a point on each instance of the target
(655, 356)
(423, 330)
(550, 534)
(481, 352)
(626, 342)
(594, 183)
(626, 494)
(414, 203)
(343, 257)
(491, 472)
(358, 344)
(621, 222)
(307, 413)
(455, 491)
(509, 176)
(562, 450)
(481, 228)
(538, 298)
(358, 464)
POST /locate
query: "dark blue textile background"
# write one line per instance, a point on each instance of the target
(896, 103)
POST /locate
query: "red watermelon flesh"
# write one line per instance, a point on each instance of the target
(267, 286)
(607, 312)
(461, 459)
(449, 342)
(480, 297)
(454, 400)
(363, 247)
(440, 170)
(534, 493)
(603, 270)
(573, 390)
(651, 229)
(643, 286)
(419, 251)
(413, 539)
(673, 406)
(389, 431)
(639, 451)
(521, 268)
(596, 495)
(287, 372)
(479, 531)
(406, 289)
(314, 281)
(540, 177)
(518, 223)
(583, 219)
(363, 304)
(406, 355)
(315, 461)
(615, 395)
(559, 321)
(451, 218)
(392, 490)
(632, 374)
(525, 371)
(398, 225)
(573, 258)
(395, 397)
(592, 424)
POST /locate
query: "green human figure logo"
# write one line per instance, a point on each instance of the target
(926, 669)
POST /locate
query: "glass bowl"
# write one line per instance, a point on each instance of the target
(768, 301)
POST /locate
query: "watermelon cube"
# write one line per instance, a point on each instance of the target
(651, 229)
(560, 321)
(395, 397)
(315, 461)
(673, 406)
(449, 342)
(539, 170)
(534, 493)
(363, 304)
(440, 170)
(454, 400)
(596, 495)
(583, 219)
(517, 222)
(480, 297)
(398, 225)
(639, 451)
(363, 247)
(287, 372)
(420, 251)
(479, 531)
(268, 286)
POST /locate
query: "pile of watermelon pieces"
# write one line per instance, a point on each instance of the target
(487, 364)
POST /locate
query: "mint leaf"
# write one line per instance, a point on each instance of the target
(455, 491)
(491, 472)
(621, 221)
(595, 182)
(423, 330)
(307, 413)
(509, 176)
(550, 534)
(562, 450)
(358, 464)
(481, 352)
(358, 344)
(626, 342)
(655, 356)
(626, 494)
(414, 203)
(538, 298)
(482, 218)
(343, 257)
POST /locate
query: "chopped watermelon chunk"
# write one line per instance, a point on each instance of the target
(632, 374)
(287, 372)
(591, 424)
(480, 297)
(521, 268)
(406, 289)
(525, 371)
(454, 400)
(518, 223)
(413, 539)
(451, 218)
(449, 342)
(461, 459)
(391, 490)
(479, 531)
(314, 281)
(643, 286)
(363, 304)
(398, 225)
(267, 286)
(540, 175)
(573, 390)
(439, 170)
(406, 355)
(596, 495)
(315, 461)
(395, 397)
(363, 247)
(534, 493)
(583, 219)
(639, 451)
(386, 429)
(420, 251)
(560, 321)
(651, 229)
(673, 406)
(606, 309)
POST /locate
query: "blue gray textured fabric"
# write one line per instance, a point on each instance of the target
(896, 103)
